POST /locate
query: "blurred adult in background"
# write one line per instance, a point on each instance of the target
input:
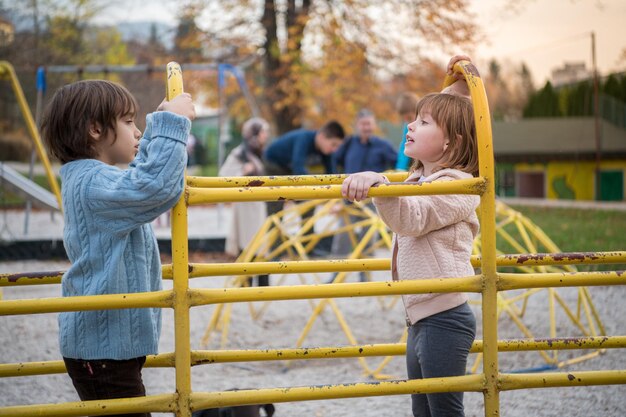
(295, 151)
(364, 151)
(246, 160)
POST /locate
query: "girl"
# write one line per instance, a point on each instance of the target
(433, 239)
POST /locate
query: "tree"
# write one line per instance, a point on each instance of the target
(613, 87)
(292, 38)
(188, 38)
(54, 31)
(508, 89)
(544, 103)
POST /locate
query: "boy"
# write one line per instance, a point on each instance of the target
(90, 127)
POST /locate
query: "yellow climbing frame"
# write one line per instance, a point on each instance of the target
(181, 298)
(285, 236)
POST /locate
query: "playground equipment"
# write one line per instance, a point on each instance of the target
(284, 237)
(39, 196)
(181, 298)
(27, 188)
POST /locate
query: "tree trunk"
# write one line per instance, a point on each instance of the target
(283, 95)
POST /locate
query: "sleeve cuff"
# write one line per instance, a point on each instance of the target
(170, 125)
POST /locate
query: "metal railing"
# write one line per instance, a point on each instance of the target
(181, 298)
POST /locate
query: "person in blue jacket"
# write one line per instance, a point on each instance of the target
(364, 151)
(113, 186)
(405, 106)
(296, 151)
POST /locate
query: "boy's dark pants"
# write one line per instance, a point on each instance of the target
(107, 379)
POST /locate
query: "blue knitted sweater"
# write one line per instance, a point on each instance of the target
(110, 243)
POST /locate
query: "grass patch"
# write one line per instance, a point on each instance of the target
(578, 230)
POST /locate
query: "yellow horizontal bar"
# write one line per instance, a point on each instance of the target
(30, 278)
(509, 281)
(289, 267)
(570, 379)
(83, 303)
(560, 343)
(382, 264)
(153, 403)
(331, 265)
(217, 195)
(279, 180)
(303, 292)
(565, 258)
(201, 400)
(200, 357)
(395, 349)
(162, 360)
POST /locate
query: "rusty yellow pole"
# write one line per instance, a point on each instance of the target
(155, 403)
(180, 272)
(319, 192)
(321, 392)
(482, 120)
(6, 70)
(273, 181)
(85, 303)
(334, 265)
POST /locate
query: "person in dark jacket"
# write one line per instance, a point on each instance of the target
(296, 151)
(364, 151)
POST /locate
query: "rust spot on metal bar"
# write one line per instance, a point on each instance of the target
(526, 258)
(255, 183)
(577, 256)
(571, 377)
(480, 187)
(566, 256)
(33, 275)
(471, 68)
(578, 341)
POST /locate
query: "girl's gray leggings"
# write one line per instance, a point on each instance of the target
(438, 346)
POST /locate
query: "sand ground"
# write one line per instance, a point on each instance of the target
(34, 338)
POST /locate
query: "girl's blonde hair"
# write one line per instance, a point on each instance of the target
(455, 116)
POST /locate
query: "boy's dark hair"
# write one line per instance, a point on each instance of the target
(333, 129)
(76, 107)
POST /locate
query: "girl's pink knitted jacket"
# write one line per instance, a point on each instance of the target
(433, 237)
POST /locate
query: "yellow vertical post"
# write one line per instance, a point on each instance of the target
(180, 272)
(488, 235)
(6, 69)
